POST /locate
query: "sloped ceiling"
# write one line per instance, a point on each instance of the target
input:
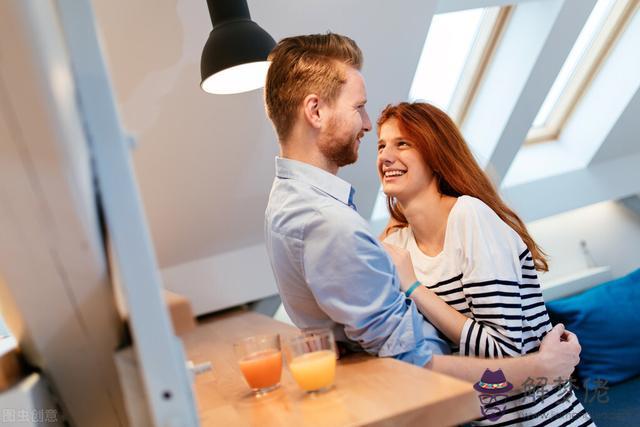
(624, 139)
(205, 163)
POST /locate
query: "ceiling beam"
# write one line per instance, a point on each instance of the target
(534, 47)
(623, 139)
(613, 100)
(54, 290)
(612, 180)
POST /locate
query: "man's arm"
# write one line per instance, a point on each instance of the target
(354, 283)
(559, 354)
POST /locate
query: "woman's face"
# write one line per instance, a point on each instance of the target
(401, 169)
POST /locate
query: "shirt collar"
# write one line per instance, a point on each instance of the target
(319, 178)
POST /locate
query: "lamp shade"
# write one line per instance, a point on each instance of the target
(234, 59)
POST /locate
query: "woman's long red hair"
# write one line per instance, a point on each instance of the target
(457, 173)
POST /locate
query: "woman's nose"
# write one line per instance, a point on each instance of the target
(386, 155)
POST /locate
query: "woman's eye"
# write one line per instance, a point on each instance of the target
(380, 147)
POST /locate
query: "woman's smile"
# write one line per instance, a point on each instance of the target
(393, 174)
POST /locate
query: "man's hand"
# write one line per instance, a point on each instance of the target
(402, 259)
(559, 353)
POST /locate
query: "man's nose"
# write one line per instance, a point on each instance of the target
(366, 124)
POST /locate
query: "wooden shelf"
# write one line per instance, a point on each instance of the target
(574, 283)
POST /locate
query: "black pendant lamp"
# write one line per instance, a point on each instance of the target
(234, 59)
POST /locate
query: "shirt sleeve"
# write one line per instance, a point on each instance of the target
(491, 283)
(355, 284)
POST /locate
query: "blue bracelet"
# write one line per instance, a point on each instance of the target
(411, 289)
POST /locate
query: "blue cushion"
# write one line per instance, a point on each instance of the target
(613, 406)
(606, 320)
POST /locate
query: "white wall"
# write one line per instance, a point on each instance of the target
(611, 230)
(224, 280)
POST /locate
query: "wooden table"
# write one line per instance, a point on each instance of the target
(368, 390)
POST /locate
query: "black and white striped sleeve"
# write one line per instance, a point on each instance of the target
(491, 284)
(495, 329)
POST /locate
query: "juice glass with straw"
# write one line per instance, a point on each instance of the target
(260, 361)
(311, 357)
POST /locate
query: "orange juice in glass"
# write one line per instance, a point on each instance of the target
(312, 359)
(260, 361)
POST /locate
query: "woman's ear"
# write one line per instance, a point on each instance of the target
(311, 110)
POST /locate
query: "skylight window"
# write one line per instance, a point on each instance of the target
(583, 43)
(449, 42)
(605, 24)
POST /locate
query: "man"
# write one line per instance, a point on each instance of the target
(331, 272)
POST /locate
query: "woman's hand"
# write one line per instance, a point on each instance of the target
(402, 259)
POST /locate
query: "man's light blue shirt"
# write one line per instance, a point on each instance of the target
(331, 271)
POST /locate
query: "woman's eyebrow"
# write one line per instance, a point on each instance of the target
(395, 139)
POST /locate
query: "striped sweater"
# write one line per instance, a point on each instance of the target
(486, 272)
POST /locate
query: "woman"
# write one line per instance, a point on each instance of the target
(472, 254)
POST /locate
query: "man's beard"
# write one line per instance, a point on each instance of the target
(338, 148)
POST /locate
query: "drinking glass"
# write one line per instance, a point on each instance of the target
(311, 357)
(260, 360)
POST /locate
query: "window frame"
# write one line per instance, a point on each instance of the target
(488, 38)
(585, 72)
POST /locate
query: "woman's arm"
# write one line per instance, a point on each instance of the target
(441, 315)
(475, 338)
(558, 355)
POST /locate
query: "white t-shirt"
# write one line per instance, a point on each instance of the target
(486, 272)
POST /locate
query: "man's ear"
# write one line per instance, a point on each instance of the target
(311, 110)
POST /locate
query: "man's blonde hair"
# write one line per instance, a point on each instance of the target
(303, 65)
